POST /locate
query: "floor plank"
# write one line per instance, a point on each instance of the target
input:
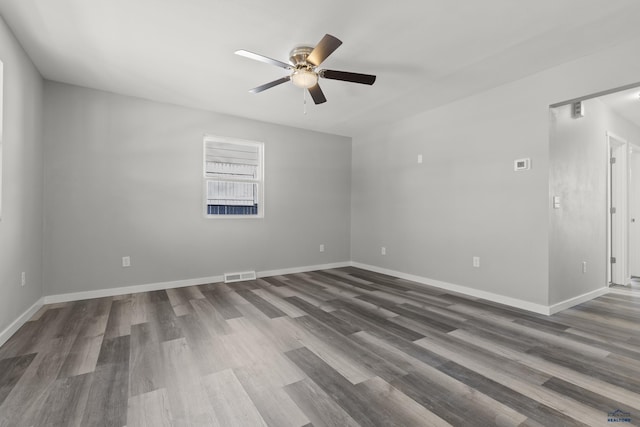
(187, 398)
(231, 403)
(66, 403)
(321, 409)
(11, 370)
(150, 410)
(108, 397)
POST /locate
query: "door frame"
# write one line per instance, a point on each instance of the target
(634, 214)
(617, 196)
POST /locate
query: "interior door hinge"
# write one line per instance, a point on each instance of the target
(613, 160)
(613, 260)
(613, 210)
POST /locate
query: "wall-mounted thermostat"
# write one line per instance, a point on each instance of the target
(522, 164)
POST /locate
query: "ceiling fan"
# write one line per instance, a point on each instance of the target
(304, 63)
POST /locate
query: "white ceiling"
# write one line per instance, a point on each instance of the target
(424, 52)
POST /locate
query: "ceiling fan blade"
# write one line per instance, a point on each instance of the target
(270, 84)
(317, 95)
(323, 49)
(263, 58)
(366, 79)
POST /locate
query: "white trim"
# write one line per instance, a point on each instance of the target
(101, 293)
(620, 194)
(634, 174)
(21, 320)
(568, 303)
(295, 270)
(512, 302)
(124, 290)
(490, 296)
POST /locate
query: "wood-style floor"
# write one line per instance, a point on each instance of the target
(632, 287)
(342, 347)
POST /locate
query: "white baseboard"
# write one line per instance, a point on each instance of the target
(563, 305)
(501, 299)
(513, 302)
(21, 320)
(303, 269)
(101, 293)
(123, 290)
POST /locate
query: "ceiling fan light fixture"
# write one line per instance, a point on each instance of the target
(304, 78)
(304, 63)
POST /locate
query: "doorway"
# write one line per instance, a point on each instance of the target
(617, 209)
(594, 198)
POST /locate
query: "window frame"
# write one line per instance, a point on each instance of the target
(259, 180)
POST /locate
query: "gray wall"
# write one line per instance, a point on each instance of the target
(578, 172)
(123, 176)
(465, 200)
(22, 151)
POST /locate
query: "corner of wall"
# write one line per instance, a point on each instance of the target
(22, 184)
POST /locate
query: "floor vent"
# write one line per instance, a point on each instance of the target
(239, 277)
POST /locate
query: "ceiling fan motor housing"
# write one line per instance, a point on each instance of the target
(298, 56)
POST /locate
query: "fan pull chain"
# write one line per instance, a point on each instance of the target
(304, 101)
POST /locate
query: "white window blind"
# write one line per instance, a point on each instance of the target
(229, 160)
(233, 177)
(231, 193)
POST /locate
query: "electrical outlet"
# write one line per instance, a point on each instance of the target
(322, 248)
(126, 261)
(419, 158)
(476, 261)
(383, 250)
(23, 279)
(584, 266)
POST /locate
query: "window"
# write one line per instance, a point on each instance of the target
(233, 178)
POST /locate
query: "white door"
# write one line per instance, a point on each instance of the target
(634, 211)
